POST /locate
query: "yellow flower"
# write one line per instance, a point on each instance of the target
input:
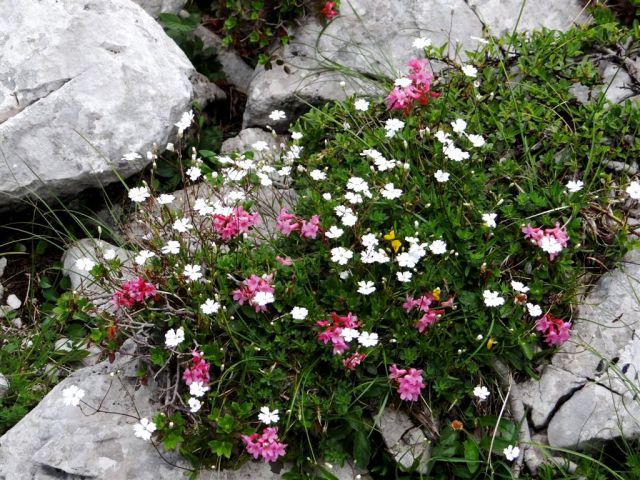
(436, 293)
(395, 243)
(490, 343)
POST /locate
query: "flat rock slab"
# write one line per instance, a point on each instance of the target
(587, 395)
(82, 83)
(156, 7)
(375, 38)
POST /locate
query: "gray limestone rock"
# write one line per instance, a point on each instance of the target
(589, 392)
(361, 42)
(156, 7)
(83, 82)
(4, 386)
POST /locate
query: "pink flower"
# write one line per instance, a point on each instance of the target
(555, 330)
(250, 288)
(354, 360)
(332, 334)
(328, 11)
(409, 382)
(287, 262)
(237, 222)
(533, 233)
(199, 371)
(132, 292)
(310, 228)
(551, 240)
(267, 445)
(287, 222)
(402, 98)
(428, 319)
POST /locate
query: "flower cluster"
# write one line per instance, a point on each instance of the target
(409, 382)
(197, 376)
(266, 445)
(133, 292)
(423, 304)
(416, 87)
(551, 240)
(236, 222)
(287, 223)
(554, 330)
(256, 291)
(343, 330)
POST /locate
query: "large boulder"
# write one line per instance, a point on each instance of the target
(371, 39)
(156, 7)
(588, 394)
(83, 83)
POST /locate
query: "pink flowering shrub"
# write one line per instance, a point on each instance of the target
(333, 332)
(409, 382)
(133, 292)
(239, 221)
(423, 304)
(554, 330)
(267, 445)
(354, 360)
(199, 370)
(419, 90)
(551, 240)
(256, 291)
(287, 223)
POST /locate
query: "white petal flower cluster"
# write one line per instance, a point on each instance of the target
(173, 338)
(379, 160)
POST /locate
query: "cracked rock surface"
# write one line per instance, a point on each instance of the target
(83, 82)
(360, 39)
(587, 394)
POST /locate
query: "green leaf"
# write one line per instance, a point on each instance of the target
(226, 424)
(172, 440)
(159, 356)
(472, 455)
(361, 449)
(221, 448)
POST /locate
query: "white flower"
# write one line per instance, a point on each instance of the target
(349, 334)
(511, 453)
(349, 219)
(182, 225)
(534, 310)
(277, 115)
(441, 176)
(109, 254)
(470, 71)
(344, 275)
(165, 199)
(138, 194)
(357, 184)
(299, 313)
(267, 416)
(192, 272)
(202, 207)
(194, 173)
(263, 298)
(143, 256)
(296, 135)
(194, 404)
(438, 247)
(341, 210)
(442, 137)
(459, 126)
(326, 196)
(334, 232)
(421, 43)
(489, 219)
(574, 186)
(392, 126)
(131, 156)
(367, 339)
(404, 277)
(454, 153)
(318, 175)
(185, 122)
(492, 299)
(260, 146)
(72, 395)
(171, 247)
(519, 286)
(85, 264)
(209, 307)
(390, 192)
(173, 338)
(353, 198)
(341, 255)
(198, 389)
(170, 147)
(366, 288)
(361, 105)
(481, 392)
(476, 140)
(144, 428)
(369, 240)
(402, 82)
(549, 244)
